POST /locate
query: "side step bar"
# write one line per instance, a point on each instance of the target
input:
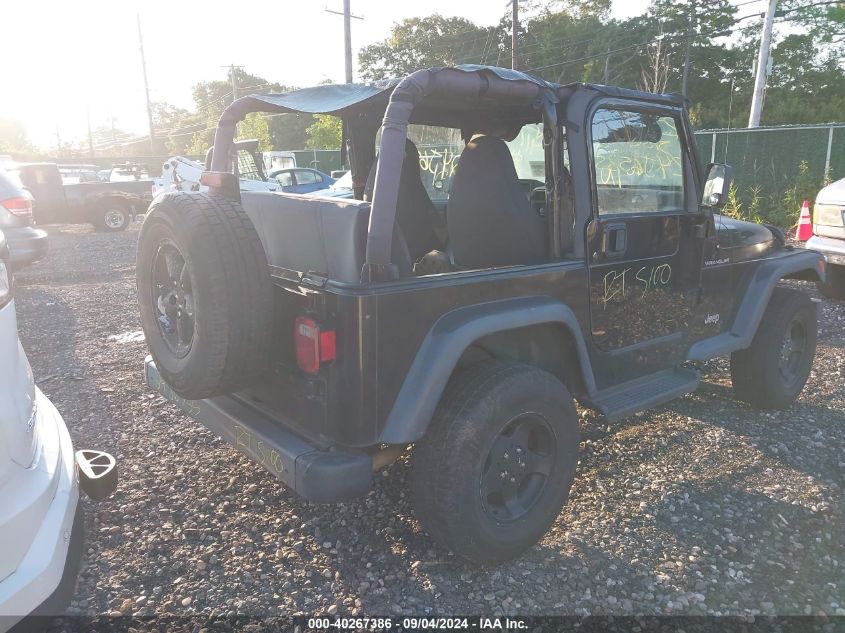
(643, 393)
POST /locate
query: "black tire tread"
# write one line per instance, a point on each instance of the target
(238, 329)
(433, 464)
(752, 369)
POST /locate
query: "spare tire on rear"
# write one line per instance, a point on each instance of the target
(205, 294)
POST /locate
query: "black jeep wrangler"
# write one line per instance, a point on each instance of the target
(573, 252)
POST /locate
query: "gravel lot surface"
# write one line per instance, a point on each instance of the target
(703, 506)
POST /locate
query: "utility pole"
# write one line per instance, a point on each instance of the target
(90, 137)
(607, 67)
(762, 67)
(146, 86)
(514, 34)
(347, 37)
(690, 18)
(234, 79)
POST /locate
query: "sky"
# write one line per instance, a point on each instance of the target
(85, 61)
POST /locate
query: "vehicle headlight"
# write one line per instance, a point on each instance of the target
(5, 284)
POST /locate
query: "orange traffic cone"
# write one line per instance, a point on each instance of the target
(805, 225)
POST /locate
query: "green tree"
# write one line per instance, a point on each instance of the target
(426, 42)
(255, 126)
(324, 133)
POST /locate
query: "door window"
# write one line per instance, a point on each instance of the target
(637, 162)
(285, 179)
(304, 177)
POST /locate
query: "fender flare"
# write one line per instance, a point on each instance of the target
(447, 340)
(755, 301)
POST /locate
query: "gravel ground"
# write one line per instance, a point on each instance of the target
(703, 506)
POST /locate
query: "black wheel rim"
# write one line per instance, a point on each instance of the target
(517, 468)
(173, 298)
(792, 351)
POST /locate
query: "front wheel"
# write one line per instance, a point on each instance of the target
(112, 216)
(497, 463)
(773, 370)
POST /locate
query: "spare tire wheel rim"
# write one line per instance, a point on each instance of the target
(114, 218)
(517, 467)
(173, 298)
(792, 350)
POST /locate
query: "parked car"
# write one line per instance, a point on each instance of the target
(322, 337)
(41, 521)
(829, 237)
(108, 206)
(26, 243)
(301, 179)
(74, 174)
(340, 188)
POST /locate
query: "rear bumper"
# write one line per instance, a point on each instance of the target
(48, 545)
(832, 249)
(26, 245)
(58, 601)
(323, 476)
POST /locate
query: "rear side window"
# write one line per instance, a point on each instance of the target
(304, 177)
(637, 162)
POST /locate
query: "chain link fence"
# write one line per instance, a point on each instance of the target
(776, 168)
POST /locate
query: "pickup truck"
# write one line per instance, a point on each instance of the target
(109, 206)
(578, 257)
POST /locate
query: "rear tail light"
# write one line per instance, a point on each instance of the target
(20, 206)
(314, 346)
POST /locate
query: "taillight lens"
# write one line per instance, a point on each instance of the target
(314, 346)
(20, 206)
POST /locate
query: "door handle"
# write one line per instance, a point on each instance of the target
(615, 240)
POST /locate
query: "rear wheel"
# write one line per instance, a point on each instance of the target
(834, 287)
(112, 215)
(773, 370)
(496, 466)
(204, 293)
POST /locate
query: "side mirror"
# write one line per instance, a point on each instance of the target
(717, 185)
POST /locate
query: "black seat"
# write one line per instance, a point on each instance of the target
(415, 213)
(490, 219)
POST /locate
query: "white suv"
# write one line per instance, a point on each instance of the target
(40, 517)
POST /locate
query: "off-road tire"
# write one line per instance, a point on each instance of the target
(834, 287)
(447, 464)
(112, 215)
(232, 297)
(756, 372)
